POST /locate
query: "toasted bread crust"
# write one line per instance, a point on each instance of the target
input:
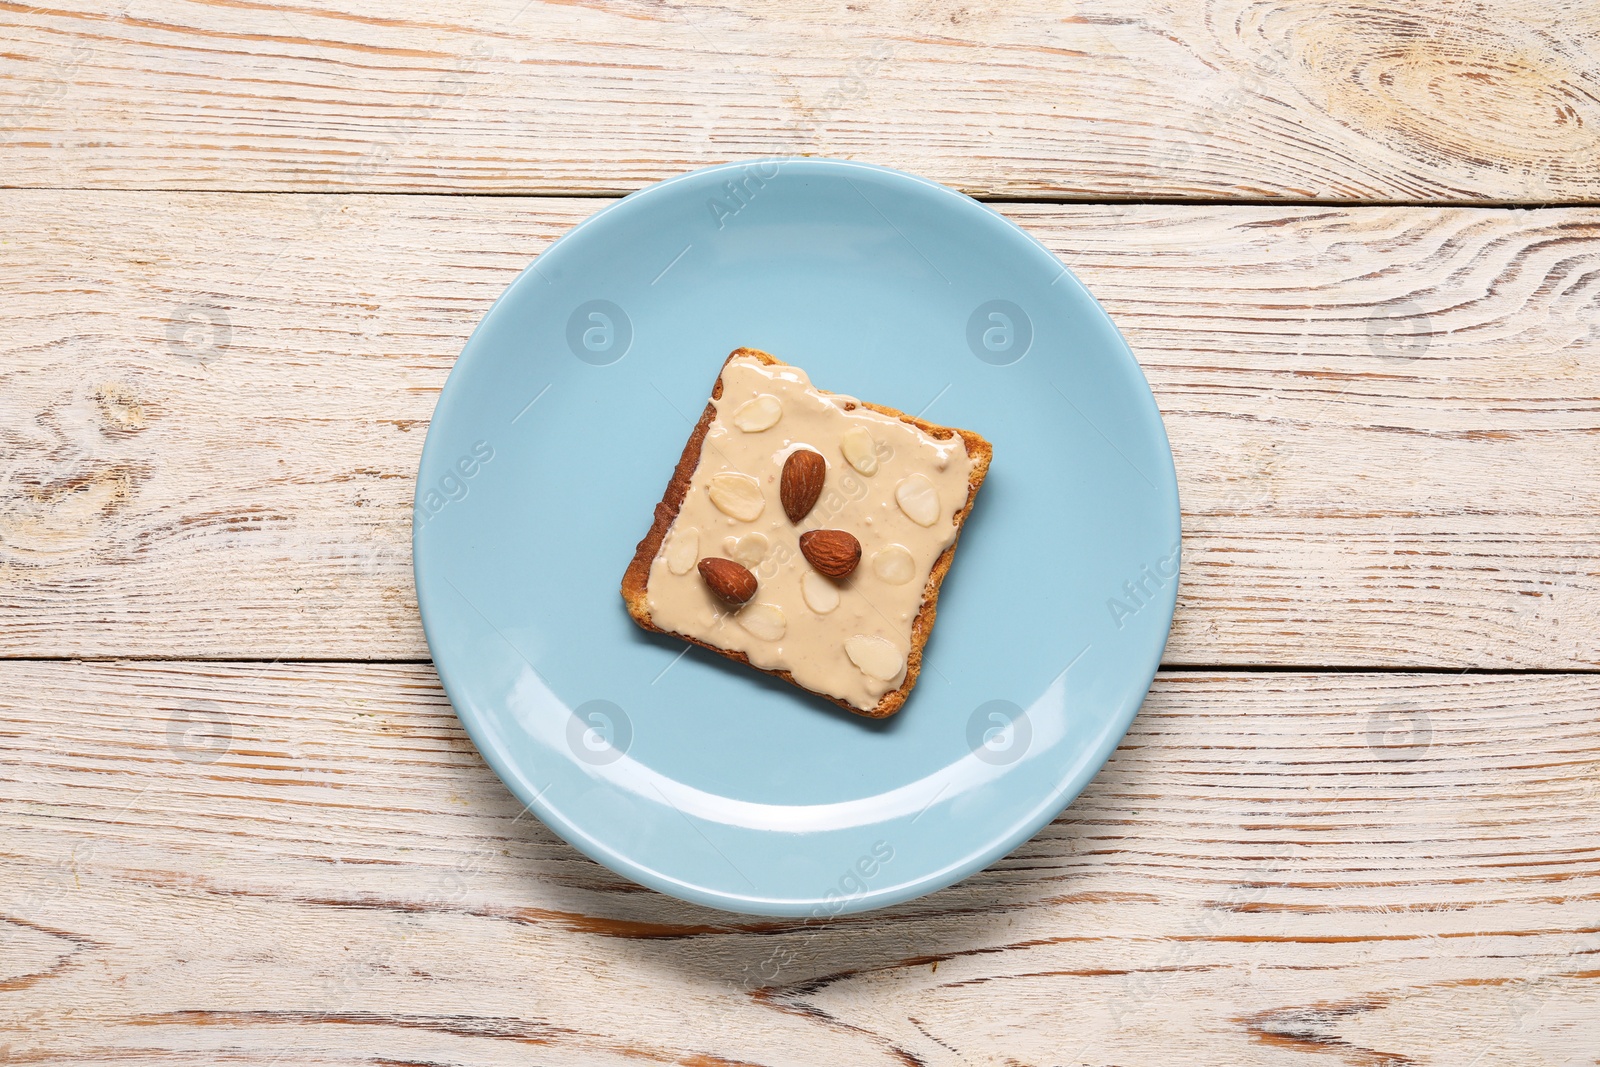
(635, 580)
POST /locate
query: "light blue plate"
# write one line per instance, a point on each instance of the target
(689, 773)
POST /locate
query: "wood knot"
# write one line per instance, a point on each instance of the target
(120, 408)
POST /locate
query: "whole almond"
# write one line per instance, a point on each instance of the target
(833, 552)
(801, 483)
(731, 581)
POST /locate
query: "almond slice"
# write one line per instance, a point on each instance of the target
(860, 450)
(738, 496)
(749, 549)
(894, 564)
(765, 621)
(759, 414)
(918, 499)
(875, 657)
(821, 595)
(683, 548)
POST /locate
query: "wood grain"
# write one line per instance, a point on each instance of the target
(210, 863)
(1386, 421)
(1355, 100)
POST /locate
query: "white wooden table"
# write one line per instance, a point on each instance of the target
(1355, 246)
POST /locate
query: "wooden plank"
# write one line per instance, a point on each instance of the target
(212, 406)
(1434, 100)
(258, 864)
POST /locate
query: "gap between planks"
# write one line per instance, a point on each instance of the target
(983, 198)
(1165, 668)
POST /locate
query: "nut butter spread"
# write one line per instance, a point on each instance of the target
(887, 483)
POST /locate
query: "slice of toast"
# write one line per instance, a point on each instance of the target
(874, 601)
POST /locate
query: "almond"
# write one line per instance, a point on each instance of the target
(801, 483)
(731, 581)
(833, 552)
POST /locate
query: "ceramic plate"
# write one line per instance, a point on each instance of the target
(554, 439)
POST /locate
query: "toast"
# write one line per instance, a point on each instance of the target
(850, 632)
